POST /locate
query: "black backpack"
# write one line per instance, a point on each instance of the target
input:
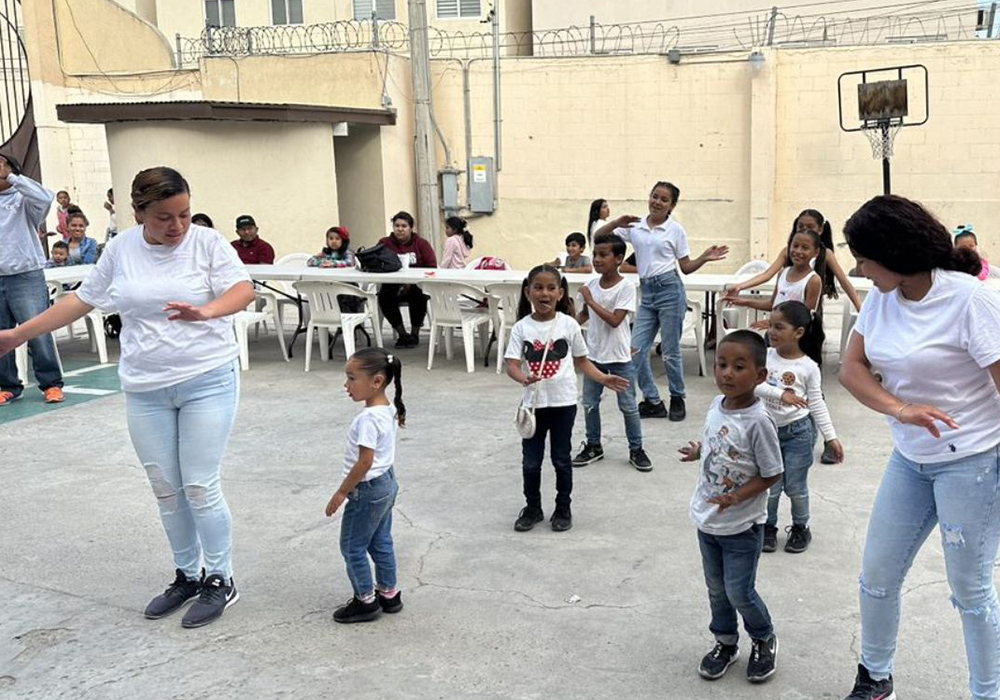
(378, 258)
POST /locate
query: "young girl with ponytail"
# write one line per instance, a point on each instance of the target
(793, 395)
(369, 486)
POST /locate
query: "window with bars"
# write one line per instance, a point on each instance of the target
(220, 13)
(453, 9)
(286, 11)
(385, 9)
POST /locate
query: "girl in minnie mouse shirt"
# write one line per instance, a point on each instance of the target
(546, 318)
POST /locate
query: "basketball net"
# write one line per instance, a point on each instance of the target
(881, 137)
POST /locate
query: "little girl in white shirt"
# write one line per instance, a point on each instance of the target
(793, 395)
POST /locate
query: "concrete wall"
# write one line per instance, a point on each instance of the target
(282, 174)
(360, 185)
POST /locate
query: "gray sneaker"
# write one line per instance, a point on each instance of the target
(216, 596)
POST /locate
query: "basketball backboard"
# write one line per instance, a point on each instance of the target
(896, 96)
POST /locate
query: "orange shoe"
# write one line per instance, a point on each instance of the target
(7, 397)
(54, 395)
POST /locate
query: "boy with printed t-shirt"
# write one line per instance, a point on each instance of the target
(740, 460)
(608, 302)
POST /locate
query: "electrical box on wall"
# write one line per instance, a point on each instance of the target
(449, 190)
(481, 193)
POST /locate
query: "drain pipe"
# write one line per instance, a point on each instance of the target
(497, 121)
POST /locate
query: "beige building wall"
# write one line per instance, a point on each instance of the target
(284, 175)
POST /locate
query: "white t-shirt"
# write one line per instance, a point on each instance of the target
(597, 225)
(607, 344)
(527, 343)
(137, 280)
(737, 446)
(935, 351)
(374, 428)
(657, 249)
(804, 378)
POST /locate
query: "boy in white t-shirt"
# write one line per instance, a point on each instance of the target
(608, 302)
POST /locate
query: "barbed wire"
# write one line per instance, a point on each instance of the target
(950, 20)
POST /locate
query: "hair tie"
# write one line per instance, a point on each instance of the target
(389, 358)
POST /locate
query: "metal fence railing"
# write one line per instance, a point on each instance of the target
(15, 86)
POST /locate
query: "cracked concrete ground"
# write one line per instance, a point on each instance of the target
(487, 613)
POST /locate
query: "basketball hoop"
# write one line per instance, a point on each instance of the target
(881, 136)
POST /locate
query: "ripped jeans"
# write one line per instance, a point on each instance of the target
(963, 496)
(180, 435)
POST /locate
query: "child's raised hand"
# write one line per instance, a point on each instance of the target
(585, 293)
(615, 383)
(732, 293)
(725, 500)
(837, 449)
(691, 452)
(335, 502)
(715, 252)
(626, 220)
(789, 398)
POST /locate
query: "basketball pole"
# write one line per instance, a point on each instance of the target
(886, 179)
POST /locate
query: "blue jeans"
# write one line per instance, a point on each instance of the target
(797, 440)
(730, 564)
(366, 528)
(626, 404)
(557, 422)
(962, 496)
(663, 306)
(180, 435)
(22, 297)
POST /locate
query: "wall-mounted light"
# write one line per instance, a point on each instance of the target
(757, 61)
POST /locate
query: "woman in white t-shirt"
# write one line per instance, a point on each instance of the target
(926, 353)
(598, 217)
(546, 320)
(174, 285)
(661, 247)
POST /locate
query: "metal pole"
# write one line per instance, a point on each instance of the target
(593, 34)
(497, 121)
(424, 152)
(886, 180)
(180, 53)
(992, 16)
(770, 25)
(376, 40)
(467, 108)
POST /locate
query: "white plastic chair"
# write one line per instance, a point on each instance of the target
(325, 315)
(242, 321)
(850, 315)
(738, 317)
(274, 303)
(504, 298)
(21, 361)
(93, 321)
(447, 313)
(693, 321)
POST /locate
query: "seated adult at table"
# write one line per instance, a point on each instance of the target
(82, 248)
(414, 251)
(24, 204)
(250, 247)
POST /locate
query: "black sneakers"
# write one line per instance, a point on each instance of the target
(717, 662)
(562, 519)
(763, 659)
(867, 689)
(173, 599)
(216, 595)
(359, 611)
(799, 538)
(770, 539)
(528, 518)
(652, 410)
(390, 605)
(639, 460)
(588, 455)
(678, 411)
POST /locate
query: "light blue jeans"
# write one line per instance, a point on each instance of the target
(180, 435)
(797, 441)
(366, 530)
(663, 306)
(962, 496)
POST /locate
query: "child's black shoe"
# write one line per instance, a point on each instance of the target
(770, 539)
(357, 610)
(588, 455)
(640, 460)
(799, 538)
(763, 659)
(717, 662)
(392, 605)
(562, 519)
(528, 518)
(866, 688)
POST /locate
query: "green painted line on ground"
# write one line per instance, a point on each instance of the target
(32, 402)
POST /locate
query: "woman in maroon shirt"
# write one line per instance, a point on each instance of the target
(417, 253)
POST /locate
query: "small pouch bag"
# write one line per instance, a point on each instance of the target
(524, 419)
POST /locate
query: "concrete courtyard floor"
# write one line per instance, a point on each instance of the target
(489, 612)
